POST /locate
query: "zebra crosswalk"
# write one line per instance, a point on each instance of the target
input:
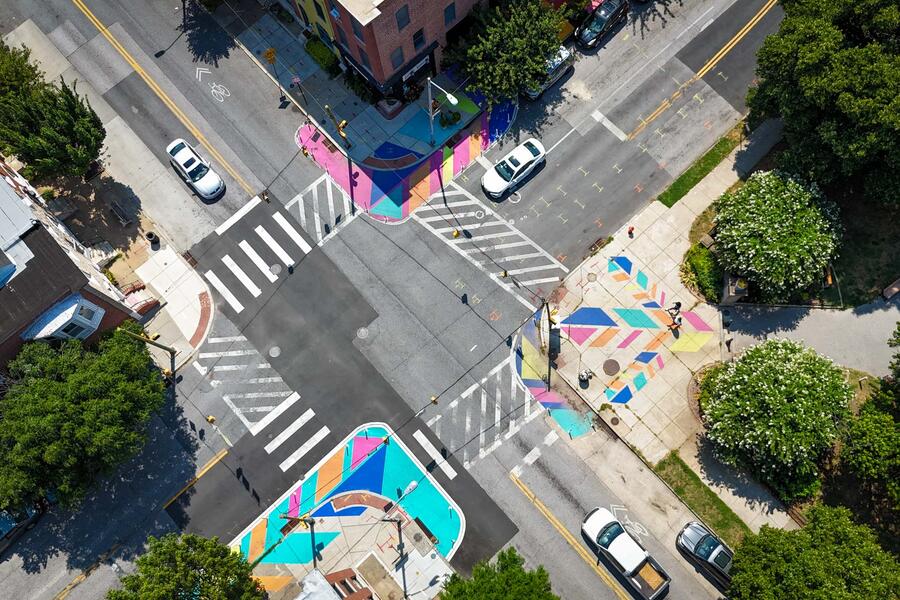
(260, 398)
(492, 244)
(486, 414)
(322, 209)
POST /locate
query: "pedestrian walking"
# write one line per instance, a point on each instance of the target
(675, 309)
(676, 324)
(631, 231)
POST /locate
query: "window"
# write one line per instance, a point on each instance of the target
(333, 9)
(609, 533)
(343, 37)
(364, 58)
(303, 14)
(87, 313)
(73, 330)
(419, 39)
(402, 17)
(450, 13)
(319, 11)
(357, 29)
(397, 57)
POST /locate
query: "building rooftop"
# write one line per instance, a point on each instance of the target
(363, 11)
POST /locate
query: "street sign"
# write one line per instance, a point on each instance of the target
(270, 55)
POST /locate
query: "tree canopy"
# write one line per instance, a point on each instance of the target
(777, 232)
(831, 558)
(777, 410)
(189, 566)
(18, 75)
(504, 579)
(72, 414)
(507, 51)
(832, 73)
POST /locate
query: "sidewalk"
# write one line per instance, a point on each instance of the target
(137, 182)
(612, 320)
(390, 166)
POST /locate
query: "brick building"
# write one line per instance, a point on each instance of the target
(49, 288)
(392, 43)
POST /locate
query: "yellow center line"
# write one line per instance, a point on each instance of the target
(161, 94)
(209, 465)
(705, 68)
(573, 542)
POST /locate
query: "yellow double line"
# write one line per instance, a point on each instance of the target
(573, 542)
(161, 94)
(705, 68)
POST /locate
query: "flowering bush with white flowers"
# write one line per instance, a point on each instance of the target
(776, 410)
(777, 232)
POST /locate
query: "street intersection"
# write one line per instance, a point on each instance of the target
(327, 325)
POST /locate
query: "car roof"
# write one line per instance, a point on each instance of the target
(562, 55)
(627, 552)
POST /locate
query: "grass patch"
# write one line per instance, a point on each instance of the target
(323, 55)
(702, 166)
(700, 271)
(702, 224)
(702, 500)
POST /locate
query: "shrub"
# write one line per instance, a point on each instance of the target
(702, 272)
(777, 410)
(777, 232)
(323, 55)
(360, 87)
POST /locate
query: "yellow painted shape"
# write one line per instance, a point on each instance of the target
(274, 583)
(474, 146)
(690, 342)
(257, 540)
(531, 361)
(447, 168)
(603, 339)
(330, 474)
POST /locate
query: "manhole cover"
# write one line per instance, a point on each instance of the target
(275, 351)
(610, 366)
(592, 277)
(276, 269)
(614, 420)
(362, 333)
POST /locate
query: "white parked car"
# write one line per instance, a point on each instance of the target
(507, 174)
(196, 171)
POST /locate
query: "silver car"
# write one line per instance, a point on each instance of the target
(708, 551)
(194, 170)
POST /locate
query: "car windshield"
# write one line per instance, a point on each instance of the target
(177, 148)
(598, 21)
(705, 546)
(532, 148)
(504, 170)
(608, 534)
(197, 173)
(722, 560)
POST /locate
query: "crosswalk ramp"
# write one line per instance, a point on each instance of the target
(261, 248)
(322, 209)
(485, 415)
(492, 244)
(260, 398)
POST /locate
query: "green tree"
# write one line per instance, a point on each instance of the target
(831, 558)
(18, 76)
(832, 73)
(777, 410)
(189, 566)
(777, 232)
(52, 129)
(507, 51)
(504, 579)
(72, 414)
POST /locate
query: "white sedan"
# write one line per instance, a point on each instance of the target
(507, 174)
(196, 171)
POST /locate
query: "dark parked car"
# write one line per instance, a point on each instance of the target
(14, 524)
(601, 21)
(707, 551)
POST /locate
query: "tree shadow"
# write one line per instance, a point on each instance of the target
(760, 321)
(645, 14)
(206, 39)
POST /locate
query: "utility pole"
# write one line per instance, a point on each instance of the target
(401, 550)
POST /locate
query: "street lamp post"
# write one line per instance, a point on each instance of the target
(450, 98)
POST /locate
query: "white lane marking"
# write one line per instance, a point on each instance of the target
(308, 189)
(455, 204)
(238, 272)
(306, 447)
(241, 367)
(551, 438)
(203, 370)
(255, 409)
(707, 24)
(301, 210)
(330, 207)
(517, 257)
(498, 409)
(258, 261)
(292, 232)
(279, 410)
(499, 247)
(251, 395)
(315, 207)
(225, 353)
(487, 236)
(224, 291)
(532, 456)
(468, 431)
(447, 217)
(481, 160)
(697, 20)
(473, 347)
(517, 471)
(482, 433)
(223, 340)
(429, 448)
(348, 210)
(536, 281)
(472, 226)
(237, 411)
(237, 216)
(561, 140)
(271, 243)
(290, 430)
(531, 269)
(601, 118)
(430, 422)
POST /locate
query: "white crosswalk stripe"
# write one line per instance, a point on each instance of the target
(242, 277)
(224, 291)
(302, 450)
(491, 244)
(322, 209)
(266, 237)
(257, 260)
